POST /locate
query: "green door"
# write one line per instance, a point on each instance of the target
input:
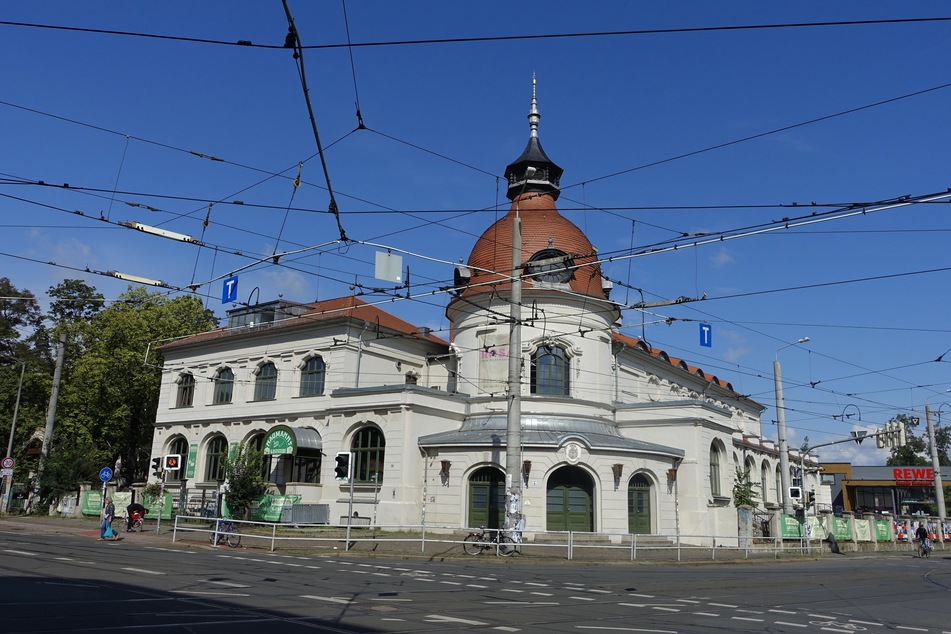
(570, 501)
(487, 498)
(639, 505)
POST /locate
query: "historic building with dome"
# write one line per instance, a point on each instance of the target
(615, 436)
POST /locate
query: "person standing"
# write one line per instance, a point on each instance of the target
(108, 515)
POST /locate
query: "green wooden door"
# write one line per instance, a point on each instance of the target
(570, 501)
(487, 498)
(639, 505)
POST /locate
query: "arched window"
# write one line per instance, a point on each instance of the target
(764, 481)
(179, 446)
(369, 451)
(265, 386)
(224, 386)
(550, 371)
(186, 390)
(312, 377)
(714, 470)
(215, 456)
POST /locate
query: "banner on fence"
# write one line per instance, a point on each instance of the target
(151, 505)
(789, 527)
(863, 530)
(881, 530)
(270, 507)
(91, 503)
(841, 528)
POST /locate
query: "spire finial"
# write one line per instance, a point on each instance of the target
(533, 115)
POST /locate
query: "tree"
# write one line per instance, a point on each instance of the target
(917, 450)
(246, 484)
(744, 489)
(112, 395)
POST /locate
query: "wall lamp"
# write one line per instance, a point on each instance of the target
(526, 469)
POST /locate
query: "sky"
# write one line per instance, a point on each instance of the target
(673, 125)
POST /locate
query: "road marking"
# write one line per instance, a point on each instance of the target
(543, 594)
(623, 629)
(227, 583)
(391, 599)
(475, 585)
(791, 624)
(746, 618)
(513, 590)
(782, 611)
(438, 618)
(211, 594)
(687, 601)
(660, 607)
(913, 629)
(503, 628)
(145, 571)
(723, 605)
(584, 599)
(713, 614)
(868, 623)
(643, 596)
(456, 583)
(343, 600)
(21, 552)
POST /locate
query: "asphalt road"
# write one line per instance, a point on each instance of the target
(59, 582)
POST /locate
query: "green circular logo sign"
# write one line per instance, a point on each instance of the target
(279, 441)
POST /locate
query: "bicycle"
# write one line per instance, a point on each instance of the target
(924, 548)
(225, 531)
(479, 541)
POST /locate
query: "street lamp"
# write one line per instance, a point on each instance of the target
(781, 429)
(935, 463)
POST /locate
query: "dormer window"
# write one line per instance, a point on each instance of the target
(549, 265)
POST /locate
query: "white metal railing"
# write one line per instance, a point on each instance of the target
(563, 544)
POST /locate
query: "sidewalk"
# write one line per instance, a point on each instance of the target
(444, 547)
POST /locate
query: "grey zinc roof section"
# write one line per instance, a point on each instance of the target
(544, 431)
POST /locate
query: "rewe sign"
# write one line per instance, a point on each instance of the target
(913, 476)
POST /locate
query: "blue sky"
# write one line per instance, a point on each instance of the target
(120, 118)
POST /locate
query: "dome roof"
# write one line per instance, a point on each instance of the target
(545, 233)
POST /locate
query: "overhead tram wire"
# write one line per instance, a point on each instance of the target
(293, 41)
(496, 38)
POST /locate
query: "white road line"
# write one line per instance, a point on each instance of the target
(660, 607)
(475, 585)
(687, 601)
(543, 594)
(344, 600)
(227, 583)
(782, 611)
(623, 629)
(438, 618)
(584, 599)
(21, 552)
(643, 596)
(787, 623)
(144, 571)
(746, 618)
(713, 614)
(913, 629)
(723, 605)
(211, 594)
(866, 622)
(503, 628)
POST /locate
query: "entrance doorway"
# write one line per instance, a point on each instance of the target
(570, 500)
(487, 498)
(639, 505)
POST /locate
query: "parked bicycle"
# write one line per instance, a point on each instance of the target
(225, 531)
(484, 539)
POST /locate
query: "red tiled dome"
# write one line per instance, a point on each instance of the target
(543, 228)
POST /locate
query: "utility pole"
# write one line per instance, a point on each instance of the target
(781, 429)
(8, 481)
(51, 411)
(936, 467)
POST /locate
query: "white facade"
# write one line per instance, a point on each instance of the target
(616, 437)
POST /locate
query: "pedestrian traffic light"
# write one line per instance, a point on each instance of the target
(342, 465)
(157, 467)
(173, 462)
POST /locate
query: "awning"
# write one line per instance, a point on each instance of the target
(284, 440)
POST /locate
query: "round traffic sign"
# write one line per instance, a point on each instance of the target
(7, 463)
(105, 474)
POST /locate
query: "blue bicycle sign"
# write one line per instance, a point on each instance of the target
(105, 474)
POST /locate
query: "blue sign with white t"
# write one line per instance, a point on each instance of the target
(106, 474)
(229, 290)
(706, 335)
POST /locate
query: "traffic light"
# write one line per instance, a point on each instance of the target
(342, 465)
(810, 498)
(157, 467)
(173, 462)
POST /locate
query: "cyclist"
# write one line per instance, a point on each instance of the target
(133, 508)
(921, 534)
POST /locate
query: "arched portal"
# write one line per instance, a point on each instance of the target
(639, 505)
(487, 498)
(570, 500)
